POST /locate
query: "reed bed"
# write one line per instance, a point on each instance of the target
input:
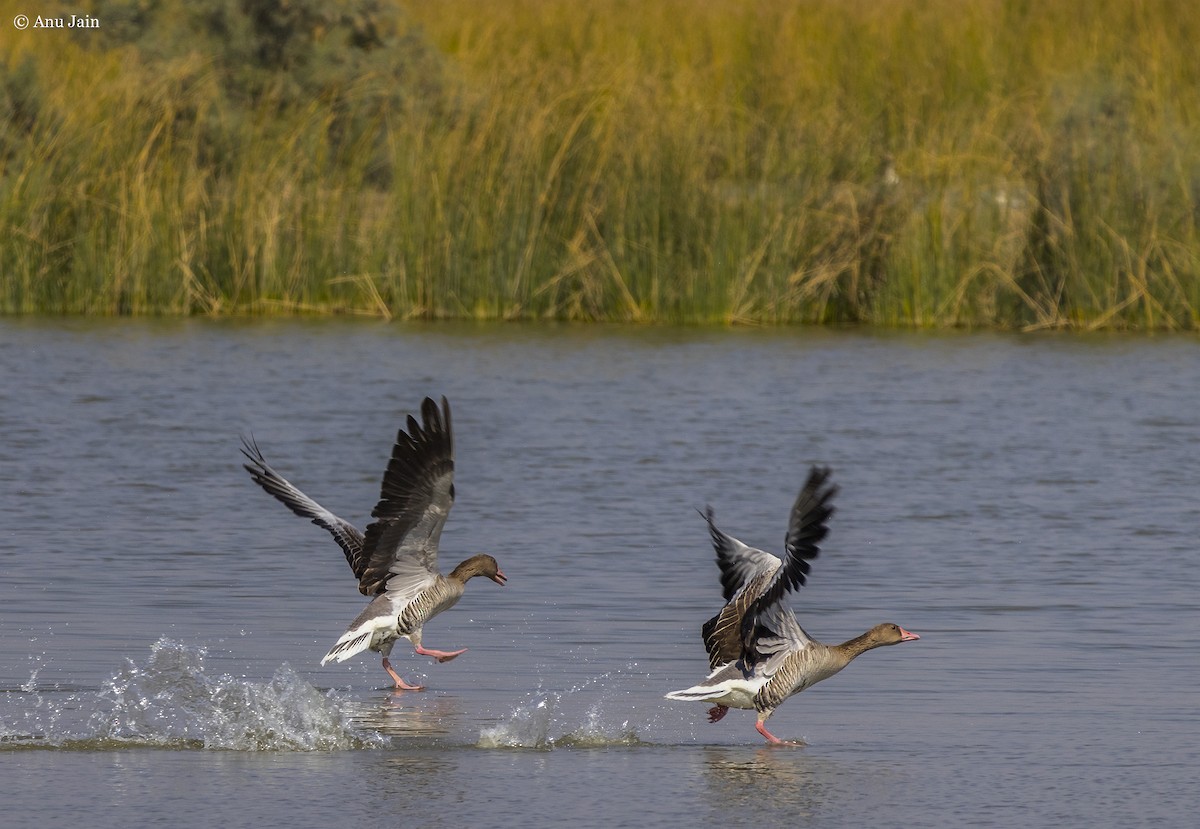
(925, 164)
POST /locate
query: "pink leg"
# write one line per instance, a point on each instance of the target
(771, 738)
(400, 683)
(440, 656)
(716, 712)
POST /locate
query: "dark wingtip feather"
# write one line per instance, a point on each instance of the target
(806, 528)
(422, 452)
(258, 467)
(810, 515)
(710, 517)
(430, 416)
(251, 451)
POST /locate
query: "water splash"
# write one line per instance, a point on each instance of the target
(527, 727)
(595, 731)
(172, 702)
(533, 723)
(30, 686)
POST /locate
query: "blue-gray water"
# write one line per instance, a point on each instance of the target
(1029, 505)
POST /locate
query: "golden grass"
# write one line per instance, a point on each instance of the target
(930, 164)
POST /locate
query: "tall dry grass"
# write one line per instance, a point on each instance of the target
(931, 164)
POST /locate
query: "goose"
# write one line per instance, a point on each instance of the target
(758, 654)
(395, 561)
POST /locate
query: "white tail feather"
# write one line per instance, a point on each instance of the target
(697, 693)
(726, 686)
(375, 626)
(352, 642)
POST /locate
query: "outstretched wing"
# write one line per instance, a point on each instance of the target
(401, 545)
(723, 633)
(807, 527)
(738, 562)
(345, 534)
(745, 573)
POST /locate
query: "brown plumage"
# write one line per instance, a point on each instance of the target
(804, 668)
(758, 653)
(395, 561)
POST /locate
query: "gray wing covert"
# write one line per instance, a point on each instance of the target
(738, 562)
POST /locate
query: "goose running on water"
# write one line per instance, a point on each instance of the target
(395, 561)
(757, 652)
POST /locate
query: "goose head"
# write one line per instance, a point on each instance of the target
(480, 565)
(890, 633)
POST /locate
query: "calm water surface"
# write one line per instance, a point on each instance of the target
(1029, 505)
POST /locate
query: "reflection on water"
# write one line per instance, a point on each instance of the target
(415, 776)
(406, 714)
(739, 780)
